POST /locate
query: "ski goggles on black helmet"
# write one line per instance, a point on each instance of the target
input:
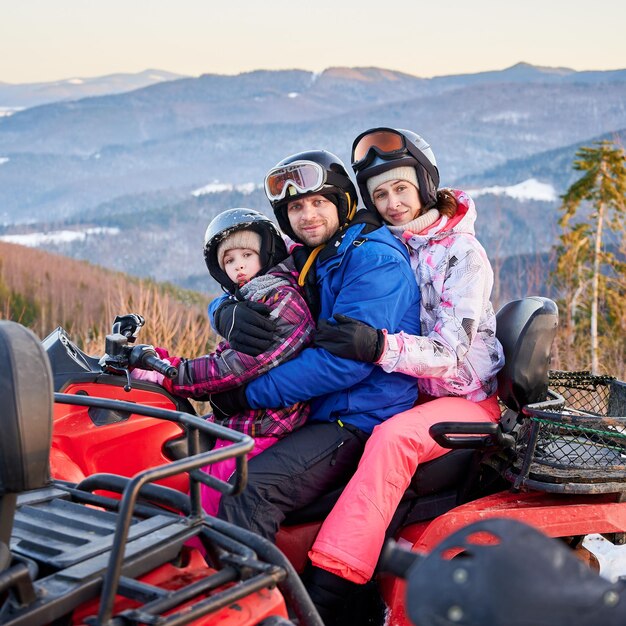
(386, 143)
(302, 177)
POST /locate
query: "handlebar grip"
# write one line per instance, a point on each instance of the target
(159, 365)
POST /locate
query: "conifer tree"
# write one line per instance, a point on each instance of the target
(590, 266)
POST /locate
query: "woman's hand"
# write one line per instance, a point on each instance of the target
(350, 339)
(246, 326)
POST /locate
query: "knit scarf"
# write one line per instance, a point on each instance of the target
(417, 225)
(260, 286)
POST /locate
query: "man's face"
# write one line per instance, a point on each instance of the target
(314, 219)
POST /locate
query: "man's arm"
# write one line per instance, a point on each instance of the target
(227, 368)
(378, 289)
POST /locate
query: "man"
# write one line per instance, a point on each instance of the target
(348, 266)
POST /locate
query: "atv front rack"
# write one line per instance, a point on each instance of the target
(77, 550)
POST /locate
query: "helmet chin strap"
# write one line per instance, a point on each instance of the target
(352, 204)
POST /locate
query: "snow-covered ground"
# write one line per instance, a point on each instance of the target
(8, 111)
(34, 240)
(612, 558)
(511, 117)
(530, 189)
(217, 187)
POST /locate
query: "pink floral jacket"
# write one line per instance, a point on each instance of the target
(458, 353)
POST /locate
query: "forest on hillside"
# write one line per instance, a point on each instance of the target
(42, 290)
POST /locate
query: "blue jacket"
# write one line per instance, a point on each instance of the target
(368, 278)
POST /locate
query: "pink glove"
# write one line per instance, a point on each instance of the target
(149, 375)
(162, 353)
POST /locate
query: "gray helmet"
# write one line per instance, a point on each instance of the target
(379, 150)
(273, 249)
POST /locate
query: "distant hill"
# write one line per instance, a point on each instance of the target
(159, 234)
(171, 216)
(527, 73)
(155, 164)
(25, 95)
(551, 166)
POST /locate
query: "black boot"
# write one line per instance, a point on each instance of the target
(330, 594)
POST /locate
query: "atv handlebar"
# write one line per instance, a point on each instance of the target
(145, 357)
(120, 357)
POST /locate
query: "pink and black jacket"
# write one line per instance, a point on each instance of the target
(226, 369)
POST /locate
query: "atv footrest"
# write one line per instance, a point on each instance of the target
(60, 533)
(73, 543)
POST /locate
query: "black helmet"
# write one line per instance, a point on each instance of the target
(273, 249)
(304, 173)
(379, 150)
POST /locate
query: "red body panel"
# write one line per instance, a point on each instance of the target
(124, 448)
(553, 514)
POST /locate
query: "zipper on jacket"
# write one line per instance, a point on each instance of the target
(333, 458)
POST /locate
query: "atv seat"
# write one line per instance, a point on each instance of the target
(26, 406)
(525, 328)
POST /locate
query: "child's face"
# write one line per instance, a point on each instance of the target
(241, 264)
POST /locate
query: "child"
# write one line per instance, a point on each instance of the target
(245, 253)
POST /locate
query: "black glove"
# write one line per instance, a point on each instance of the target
(245, 325)
(227, 403)
(350, 339)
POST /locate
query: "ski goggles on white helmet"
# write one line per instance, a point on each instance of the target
(386, 143)
(299, 178)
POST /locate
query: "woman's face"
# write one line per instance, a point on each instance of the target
(397, 201)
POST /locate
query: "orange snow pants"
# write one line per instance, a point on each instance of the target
(352, 536)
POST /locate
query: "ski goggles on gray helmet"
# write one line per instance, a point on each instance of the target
(373, 149)
(386, 143)
(299, 178)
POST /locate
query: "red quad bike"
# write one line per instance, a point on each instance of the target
(556, 462)
(71, 556)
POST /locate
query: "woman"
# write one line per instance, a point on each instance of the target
(455, 360)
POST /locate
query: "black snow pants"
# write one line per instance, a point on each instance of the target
(294, 472)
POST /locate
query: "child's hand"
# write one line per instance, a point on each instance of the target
(227, 403)
(149, 375)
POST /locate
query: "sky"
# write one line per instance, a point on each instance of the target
(45, 40)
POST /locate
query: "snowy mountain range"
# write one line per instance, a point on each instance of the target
(157, 162)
